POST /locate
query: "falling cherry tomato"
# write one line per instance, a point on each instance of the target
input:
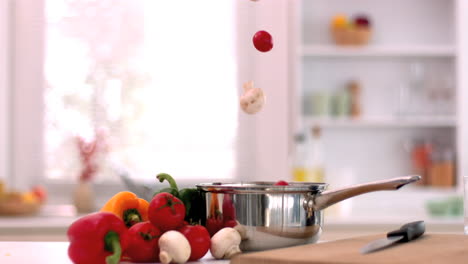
(263, 41)
(281, 183)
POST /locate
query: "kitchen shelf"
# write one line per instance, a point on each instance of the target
(377, 51)
(418, 44)
(382, 122)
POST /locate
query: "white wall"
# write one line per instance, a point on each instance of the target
(271, 74)
(4, 92)
(27, 103)
(462, 82)
(266, 136)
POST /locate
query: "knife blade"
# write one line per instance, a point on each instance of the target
(407, 232)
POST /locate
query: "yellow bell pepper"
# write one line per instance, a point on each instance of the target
(128, 207)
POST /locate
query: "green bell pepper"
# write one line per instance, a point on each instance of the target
(173, 189)
(191, 197)
(194, 205)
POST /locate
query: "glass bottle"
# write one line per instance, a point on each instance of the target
(316, 171)
(299, 164)
(308, 165)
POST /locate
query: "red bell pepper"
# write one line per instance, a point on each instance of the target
(97, 238)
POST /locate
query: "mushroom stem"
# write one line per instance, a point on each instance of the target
(164, 257)
(247, 86)
(174, 247)
(225, 243)
(232, 251)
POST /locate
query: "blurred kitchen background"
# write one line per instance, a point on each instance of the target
(98, 96)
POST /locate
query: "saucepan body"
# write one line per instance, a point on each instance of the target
(270, 216)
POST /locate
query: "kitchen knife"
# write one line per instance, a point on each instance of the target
(406, 233)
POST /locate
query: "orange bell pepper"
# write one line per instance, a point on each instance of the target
(128, 207)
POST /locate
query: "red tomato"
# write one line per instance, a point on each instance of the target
(229, 211)
(230, 223)
(214, 224)
(263, 41)
(281, 183)
(143, 242)
(199, 240)
(166, 211)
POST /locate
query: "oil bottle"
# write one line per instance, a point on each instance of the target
(308, 165)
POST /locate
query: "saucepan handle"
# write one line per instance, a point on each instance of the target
(319, 201)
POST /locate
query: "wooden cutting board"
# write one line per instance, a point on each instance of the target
(430, 248)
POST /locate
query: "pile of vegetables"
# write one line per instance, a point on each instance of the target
(166, 229)
(191, 197)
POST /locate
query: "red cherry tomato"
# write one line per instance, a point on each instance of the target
(229, 211)
(230, 223)
(214, 224)
(281, 183)
(199, 240)
(166, 211)
(143, 242)
(263, 41)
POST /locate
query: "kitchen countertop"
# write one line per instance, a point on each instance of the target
(43, 236)
(41, 252)
(53, 252)
(52, 223)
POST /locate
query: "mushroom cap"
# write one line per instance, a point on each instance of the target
(252, 100)
(174, 244)
(225, 243)
(241, 230)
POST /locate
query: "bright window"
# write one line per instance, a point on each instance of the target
(158, 77)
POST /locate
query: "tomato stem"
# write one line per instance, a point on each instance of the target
(170, 203)
(147, 236)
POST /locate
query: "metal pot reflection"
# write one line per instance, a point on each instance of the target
(270, 216)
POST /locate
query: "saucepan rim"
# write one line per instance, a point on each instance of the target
(262, 187)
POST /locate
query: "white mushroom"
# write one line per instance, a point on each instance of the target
(174, 247)
(253, 99)
(241, 230)
(225, 243)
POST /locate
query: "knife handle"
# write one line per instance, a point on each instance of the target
(409, 231)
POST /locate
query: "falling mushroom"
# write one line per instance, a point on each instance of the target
(253, 98)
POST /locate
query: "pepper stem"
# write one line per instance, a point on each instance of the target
(131, 217)
(112, 244)
(164, 176)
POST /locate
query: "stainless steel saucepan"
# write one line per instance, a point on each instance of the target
(272, 216)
